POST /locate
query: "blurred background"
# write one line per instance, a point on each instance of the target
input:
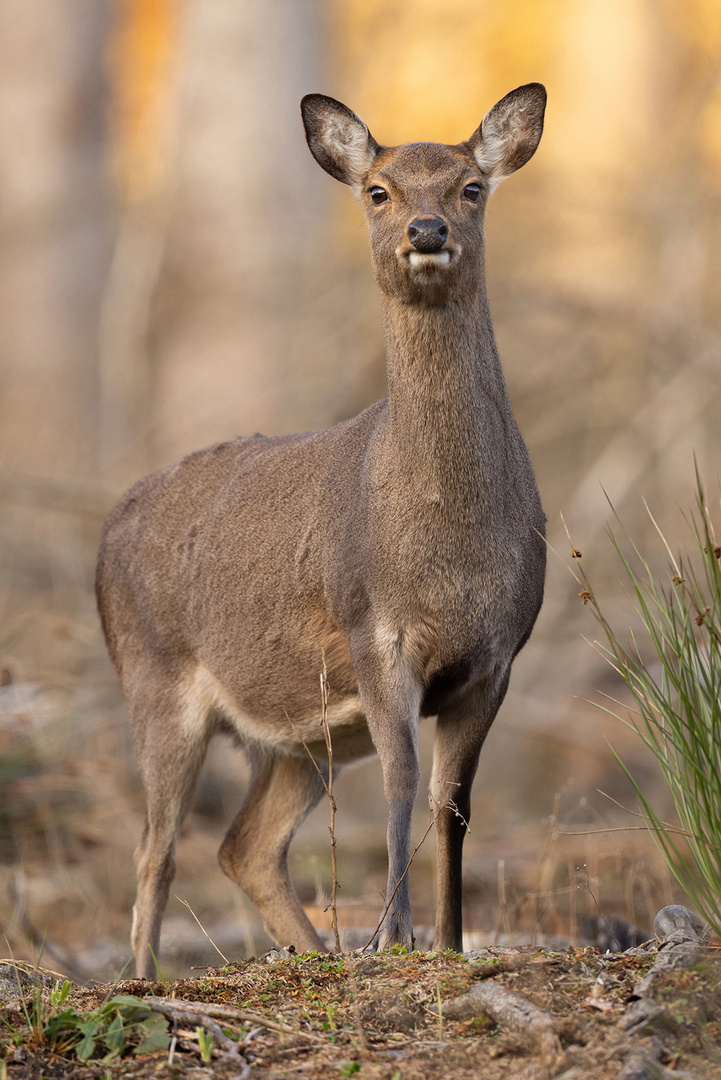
(175, 270)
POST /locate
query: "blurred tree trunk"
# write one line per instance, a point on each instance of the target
(55, 232)
(143, 56)
(243, 222)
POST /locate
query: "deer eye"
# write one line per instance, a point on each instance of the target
(379, 195)
(472, 192)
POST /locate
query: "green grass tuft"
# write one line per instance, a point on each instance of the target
(672, 669)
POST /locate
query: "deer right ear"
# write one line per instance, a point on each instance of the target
(510, 132)
(338, 139)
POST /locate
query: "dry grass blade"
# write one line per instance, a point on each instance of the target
(186, 904)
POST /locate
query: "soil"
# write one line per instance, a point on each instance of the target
(377, 1016)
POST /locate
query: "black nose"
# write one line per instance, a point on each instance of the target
(428, 234)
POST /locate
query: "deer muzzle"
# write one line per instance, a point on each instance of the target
(427, 248)
(428, 235)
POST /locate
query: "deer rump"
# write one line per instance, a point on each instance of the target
(401, 552)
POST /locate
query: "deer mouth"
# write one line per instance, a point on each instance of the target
(424, 260)
(427, 266)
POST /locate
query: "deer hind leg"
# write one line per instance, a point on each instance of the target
(460, 734)
(254, 853)
(171, 751)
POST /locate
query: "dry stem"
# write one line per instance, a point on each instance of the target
(220, 954)
(328, 785)
(587, 886)
(331, 803)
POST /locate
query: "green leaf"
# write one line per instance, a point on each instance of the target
(114, 1037)
(88, 1029)
(59, 993)
(128, 1001)
(156, 1035)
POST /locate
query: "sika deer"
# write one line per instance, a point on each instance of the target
(403, 548)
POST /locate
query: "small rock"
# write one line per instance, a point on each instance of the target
(676, 919)
(17, 975)
(277, 953)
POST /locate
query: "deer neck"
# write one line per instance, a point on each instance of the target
(450, 420)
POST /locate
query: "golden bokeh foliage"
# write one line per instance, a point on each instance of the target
(423, 66)
(142, 56)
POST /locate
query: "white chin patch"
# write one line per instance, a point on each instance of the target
(424, 261)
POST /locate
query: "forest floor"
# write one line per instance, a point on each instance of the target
(578, 1014)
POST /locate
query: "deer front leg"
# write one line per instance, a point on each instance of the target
(401, 777)
(392, 713)
(460, 734)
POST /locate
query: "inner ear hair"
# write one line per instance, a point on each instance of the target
(510, 132)
(338, 139)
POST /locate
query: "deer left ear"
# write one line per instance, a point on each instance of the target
(509, 134)
(338, 139)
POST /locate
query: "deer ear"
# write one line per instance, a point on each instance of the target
(338, 139)
(510, 132)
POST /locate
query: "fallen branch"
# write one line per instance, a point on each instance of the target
(532, 1026)
(197, 1013)
(682, 943)
(188, 1009)
(682, 938)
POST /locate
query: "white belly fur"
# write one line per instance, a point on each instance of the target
(203, 697)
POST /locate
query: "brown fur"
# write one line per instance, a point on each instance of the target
(403, 549)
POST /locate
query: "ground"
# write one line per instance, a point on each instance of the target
(377, 1016)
